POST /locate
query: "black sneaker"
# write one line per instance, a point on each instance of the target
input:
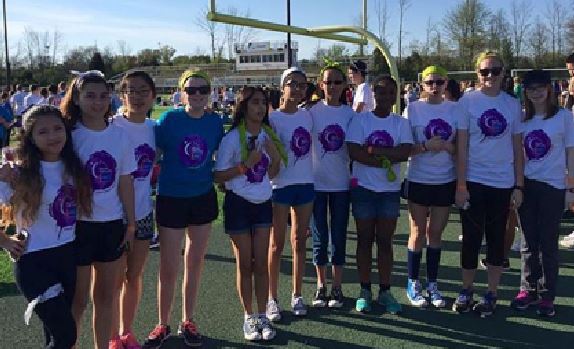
(336, 300)
(190, 334)
(320, 300)
(486, 306)
(546, 308)
(156, 337)
(464, 301)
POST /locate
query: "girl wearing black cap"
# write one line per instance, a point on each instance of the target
(363, 98)
(548, 141)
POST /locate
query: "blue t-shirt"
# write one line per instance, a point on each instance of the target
(6, 113)
(187, 145)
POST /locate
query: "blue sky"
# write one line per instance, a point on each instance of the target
(147, 24)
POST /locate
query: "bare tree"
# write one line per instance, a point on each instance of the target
(403, 7)
(237, 34)
(212, 29)
(124, 48)
(520, 13)
(56, 42)
(430, 29)
(497, 30)
(31, 44)
(381, 10)
(538, 40)
(555, 17)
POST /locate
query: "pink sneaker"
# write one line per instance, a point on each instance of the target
(115, 343)
(130, 341)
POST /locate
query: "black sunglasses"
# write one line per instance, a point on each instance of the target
(332, 82)
(494, 71)
(203, 90)
(437, 82)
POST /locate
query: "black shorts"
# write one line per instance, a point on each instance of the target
(99, 241)
(178, 213)
(438, 195)
(241, 216)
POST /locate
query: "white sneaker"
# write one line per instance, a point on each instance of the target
(516, 244)
(298, 306)
(267, 331)
(251, 328)
(273, 310)
(568, 241)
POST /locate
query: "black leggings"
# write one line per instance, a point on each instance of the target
(487, 215)
(35, 273)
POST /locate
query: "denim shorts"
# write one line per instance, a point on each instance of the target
(240, 215)
(294, 195)
(367, 204)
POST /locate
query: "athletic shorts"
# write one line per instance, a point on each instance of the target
(438, 195)
(241, 216)
(294, 195)
(99, 241)
(178, 213)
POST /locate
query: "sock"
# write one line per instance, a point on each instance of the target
(366, 285)
(414, 263)
(384, 288)
(433, 261)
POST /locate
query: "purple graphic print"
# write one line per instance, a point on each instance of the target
(193, 151)
(259, 170)
(380, 138)
(492, 123)
(63, 208)
(102, 169)
(537, 144)
(145, 156)
(300, 142)
(438, 127)
(332, 138)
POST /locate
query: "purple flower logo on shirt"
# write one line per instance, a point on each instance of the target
(380, 138)
(259, 170)
(438, 127)
(537, 144)
(300, 142)
(193, 151)
(145, 156)
(102, 169)
(63, 208)
(332, 138)
(492, 123)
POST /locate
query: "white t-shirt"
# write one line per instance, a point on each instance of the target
(545, 143)
(330, 156)
(383, 132)
(365, 95)
(294, 131)
(143, 150)
(254, 186)
(429, 120)
(32, 99)
(17, 101)
(107, 155)
(56, 221)
(491, 122)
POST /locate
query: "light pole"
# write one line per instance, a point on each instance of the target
(8, 82)
(289, 56)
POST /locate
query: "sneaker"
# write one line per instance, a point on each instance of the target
(486, 306)
(130, 341)
(298, 306)
(251, 328)
(568, 241)
(464, 301)
(115, 343)
(191, 336)
(363, 304)
(414, 293)
(156, 337)
(435, 296)
(524, 299)
(267, 331)
(546, 308)
(387, 300)
(516, 245)
(154, 242)
(320, 300)
(336, 300)
(273, 310)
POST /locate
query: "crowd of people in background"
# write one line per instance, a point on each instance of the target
(499, 149)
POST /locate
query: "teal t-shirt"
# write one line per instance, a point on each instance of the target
(188, 145)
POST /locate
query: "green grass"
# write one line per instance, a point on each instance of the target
(220, 317)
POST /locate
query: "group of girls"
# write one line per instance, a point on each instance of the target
(82, 194)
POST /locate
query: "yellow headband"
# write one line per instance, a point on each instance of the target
(434, 69)
(193, 74)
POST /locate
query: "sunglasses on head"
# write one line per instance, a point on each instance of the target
(203, 90)
(332, 82)
(437, 82)
(494, 71)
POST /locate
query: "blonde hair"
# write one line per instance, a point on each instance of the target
(193, 73)
(488, 54)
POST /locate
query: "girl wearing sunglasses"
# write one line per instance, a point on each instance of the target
(490, 175)
(430, 184)
(186, 203)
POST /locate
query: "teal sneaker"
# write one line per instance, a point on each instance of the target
(364, 301)
(387, 300)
